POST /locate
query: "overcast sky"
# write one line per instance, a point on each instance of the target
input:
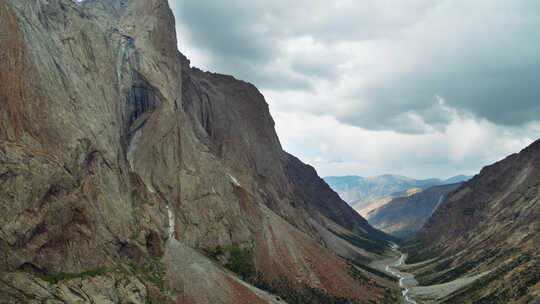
(421, 88)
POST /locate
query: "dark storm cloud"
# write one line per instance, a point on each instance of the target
(406, 67)
(224, 28)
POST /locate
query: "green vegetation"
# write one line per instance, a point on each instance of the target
(358, 275)
(418, 253)
(215, 253)
(298, 295)
(136, 234)
(443, 271)
(55, 278)
(134, 196)
(375, 246)
(239, 261)
(469, 211)
(519, 288)
(152, 273)
(31, 297)
(149, 274)
(443, 265)
(374, 271)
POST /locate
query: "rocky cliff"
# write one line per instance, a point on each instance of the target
(128, 176)
(489, 227)
(404, 215)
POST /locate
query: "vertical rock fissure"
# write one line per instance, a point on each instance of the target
(206, 113)
(142, 100)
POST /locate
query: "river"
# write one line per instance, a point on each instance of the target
(406, 280)
(402, 277)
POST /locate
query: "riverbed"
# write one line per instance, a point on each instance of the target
(406, 280)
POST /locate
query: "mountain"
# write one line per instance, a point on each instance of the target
(404, 215)
(129, 176)
(379, 202)
(486, 232)
(457, 179)
(361, 192)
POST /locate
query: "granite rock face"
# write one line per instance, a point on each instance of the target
(488, 225)
(117, 159)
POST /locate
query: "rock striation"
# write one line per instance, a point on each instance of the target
(489, 226)
(128, 176)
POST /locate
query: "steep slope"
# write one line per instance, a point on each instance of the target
(488, 226)
(379, 202)
(361, 192)
(403, 216)
(457, 179)
(128, 176)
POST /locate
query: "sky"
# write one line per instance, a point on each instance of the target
(421, 88)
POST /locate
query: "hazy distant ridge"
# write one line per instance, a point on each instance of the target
(359, 191)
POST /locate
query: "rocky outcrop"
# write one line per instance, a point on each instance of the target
(489, 225)
(129, 176)
(404, 215)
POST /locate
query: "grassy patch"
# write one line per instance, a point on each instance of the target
(55, 278)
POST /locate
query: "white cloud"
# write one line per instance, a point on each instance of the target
(421, 87)
(463, 147)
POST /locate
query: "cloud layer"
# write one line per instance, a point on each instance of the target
(392, 83)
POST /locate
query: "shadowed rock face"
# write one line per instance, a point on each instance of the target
(319, 198)
(489, 224)
(403, 216)
(141, 103)
(117, 159)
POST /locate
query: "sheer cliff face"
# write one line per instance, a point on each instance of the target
(114, 152)
(488, 224)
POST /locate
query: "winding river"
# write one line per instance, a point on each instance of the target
(406, 280)
(402, 277)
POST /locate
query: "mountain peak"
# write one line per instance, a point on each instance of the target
(128, 176)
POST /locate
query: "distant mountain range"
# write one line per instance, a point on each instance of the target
(402, 216)
(361, 192)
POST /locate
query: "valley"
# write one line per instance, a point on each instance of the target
(128, 175)
(395, 204)
(481, 244)
(411, 291)
(405, 280)
(404, 215)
